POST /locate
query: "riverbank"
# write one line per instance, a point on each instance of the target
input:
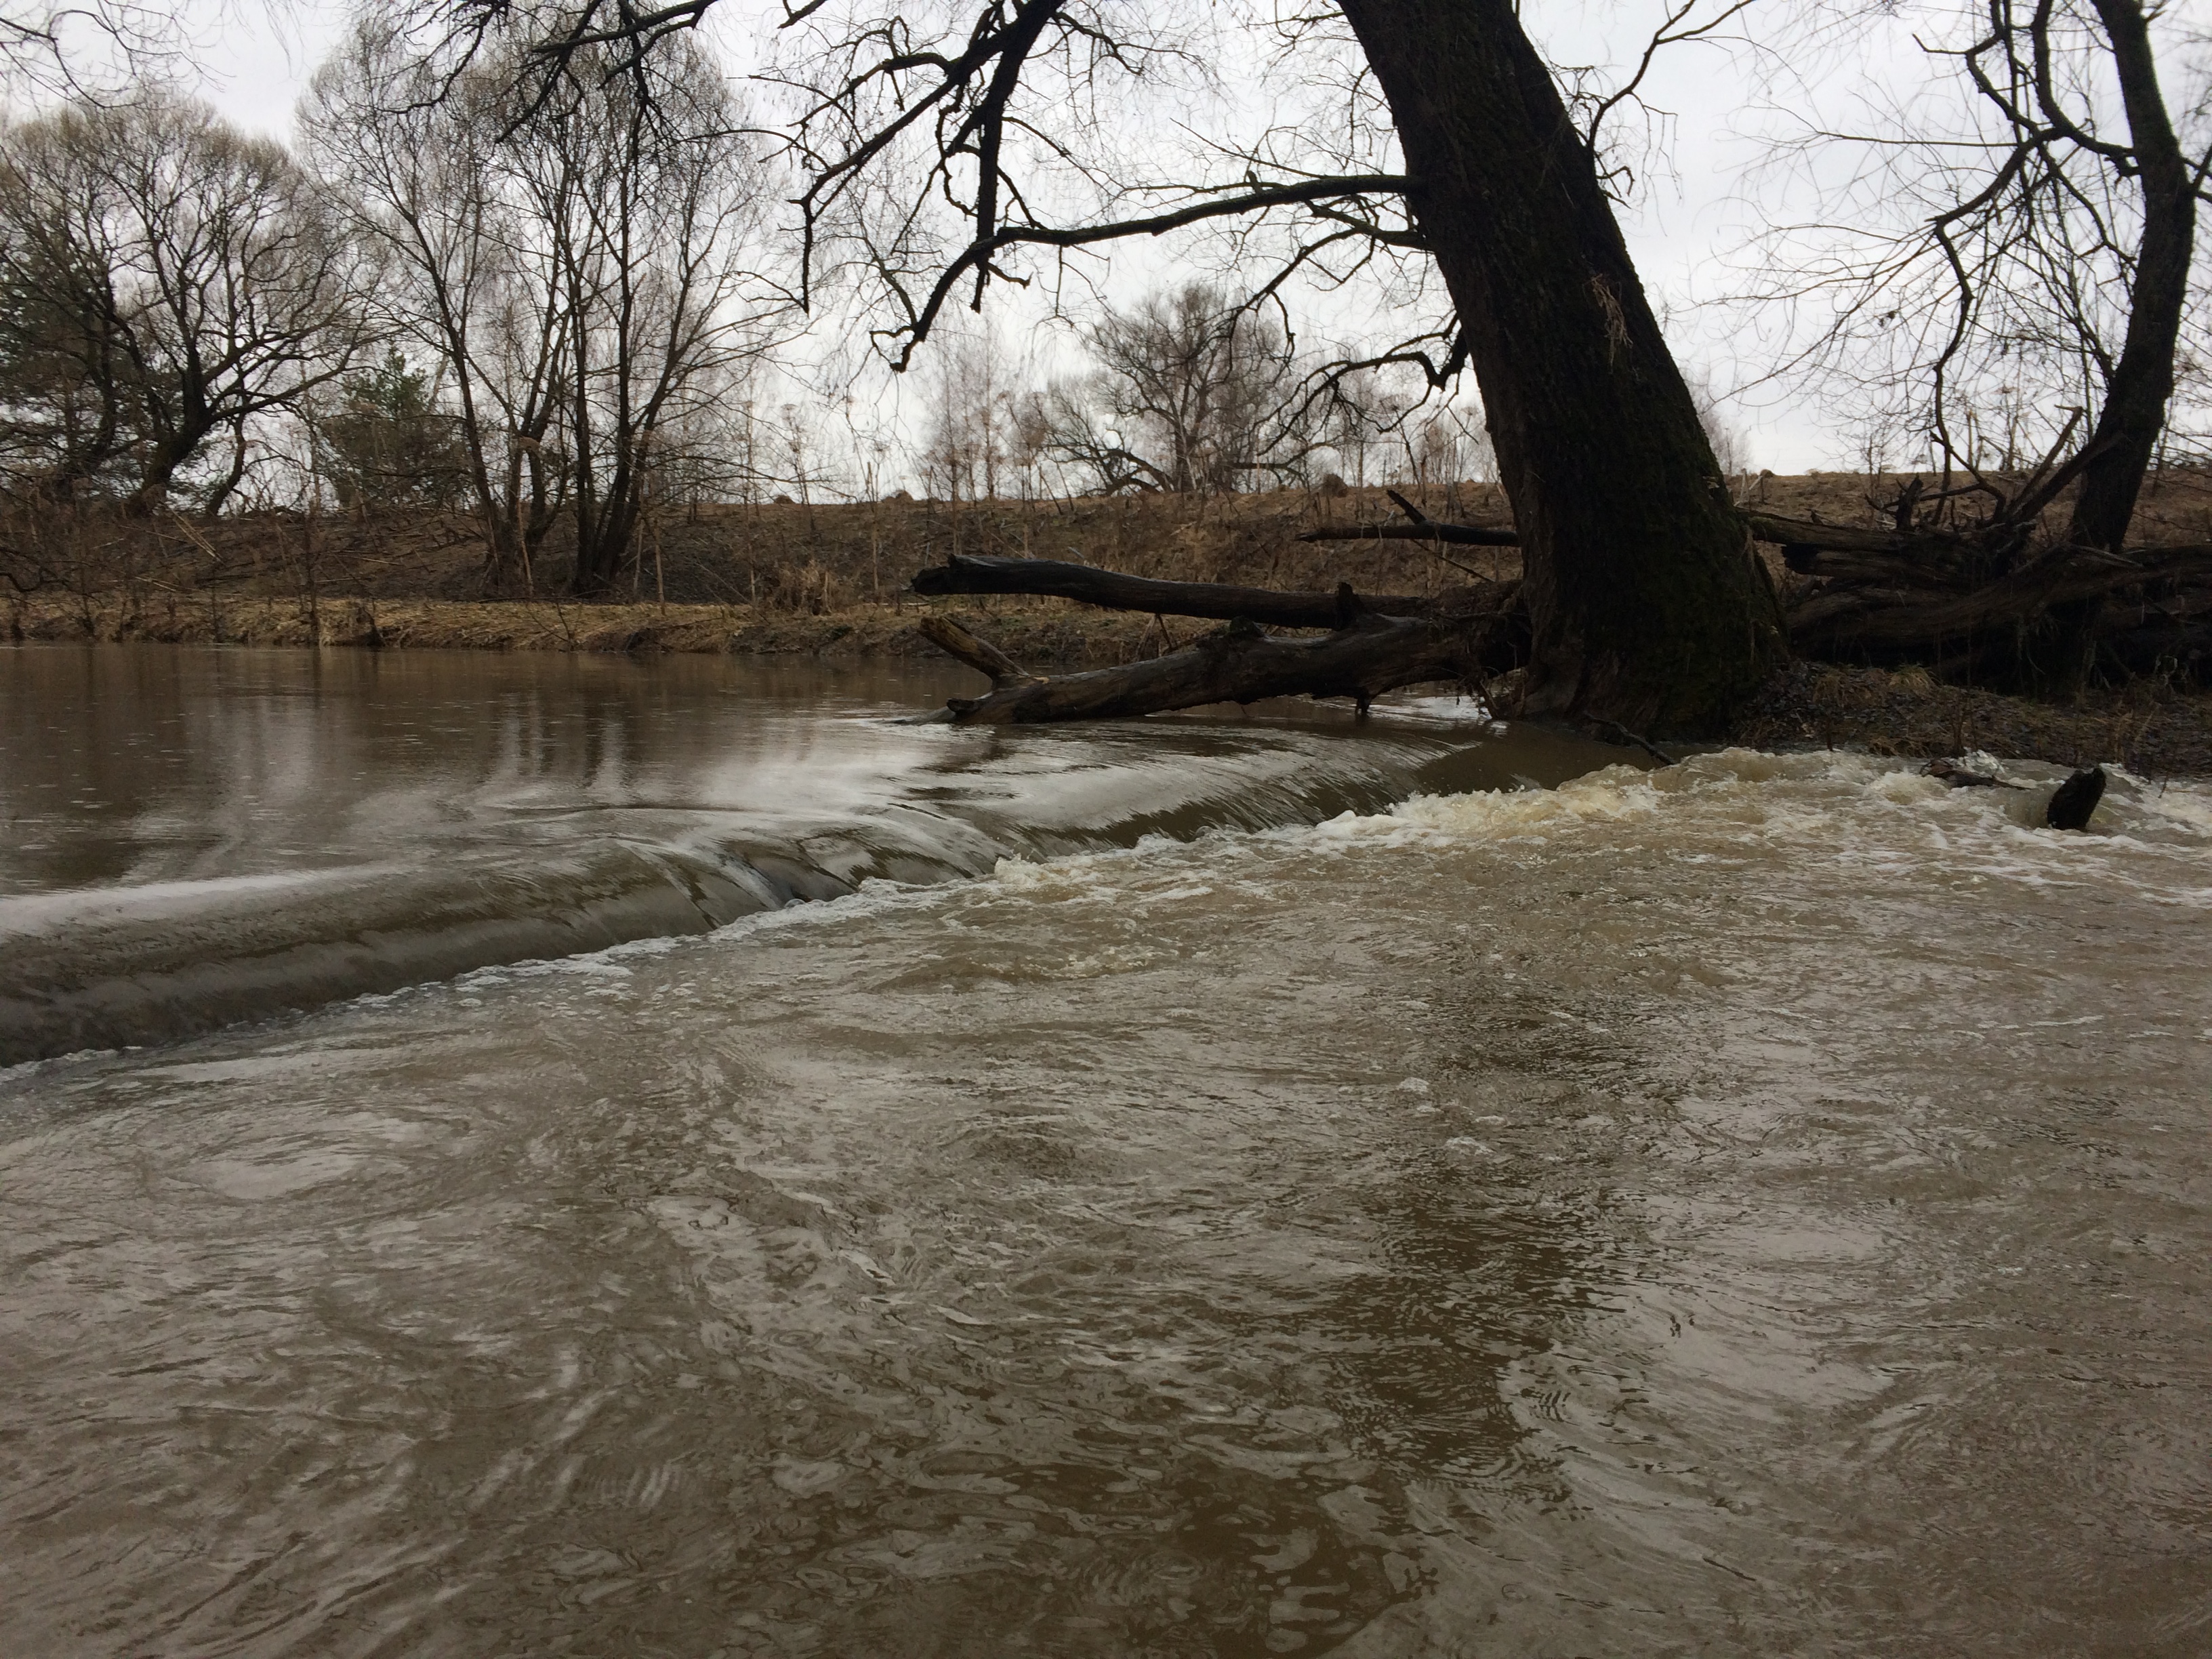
(2149, 731)
(1045, 632)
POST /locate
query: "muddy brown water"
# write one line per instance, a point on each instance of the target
(1216, 1186)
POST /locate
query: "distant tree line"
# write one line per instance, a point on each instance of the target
(546, 305)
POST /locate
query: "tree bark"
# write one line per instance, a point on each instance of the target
(1646, 605)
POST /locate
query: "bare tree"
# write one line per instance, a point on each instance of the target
(188, 271)
(2015, 283)
(416, 165)
(1191, 391)
(2020, 265)
(943, 146)
(66, 418)
(646, 200)
(85, 48)
(1730, 447)
(967, 417)
(575, 255)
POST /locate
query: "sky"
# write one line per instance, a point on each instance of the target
(1690, 217)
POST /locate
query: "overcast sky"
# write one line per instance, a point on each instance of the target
(1692, 214)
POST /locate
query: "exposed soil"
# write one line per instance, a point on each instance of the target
(2149, 731)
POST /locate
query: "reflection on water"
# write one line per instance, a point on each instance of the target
(1760, 1208)
(189, 837)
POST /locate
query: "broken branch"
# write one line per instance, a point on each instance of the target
(1110, 590)
(979, 654)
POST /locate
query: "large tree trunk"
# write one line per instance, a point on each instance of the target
(2128, 426)
(165, 457)
(1647, 605)
(2142, 380)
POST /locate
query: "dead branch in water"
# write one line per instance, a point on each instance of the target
(1242, 663)
(1368, 650)
(981, 655)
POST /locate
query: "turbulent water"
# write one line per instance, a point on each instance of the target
(1282, 1199)
(193, 837)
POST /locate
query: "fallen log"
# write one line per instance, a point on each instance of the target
(1879, 595)
(1890, 615)
(1110, 590)
(1816, 537)
(1242, 663)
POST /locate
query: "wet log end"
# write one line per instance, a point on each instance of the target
(2074, 801)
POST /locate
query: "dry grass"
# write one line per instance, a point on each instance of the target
(1038, 631)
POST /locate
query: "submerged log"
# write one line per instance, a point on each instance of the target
(1959, 776)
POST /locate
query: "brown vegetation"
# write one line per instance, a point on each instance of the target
(833, 579)
(122, 579)
(2152, 730)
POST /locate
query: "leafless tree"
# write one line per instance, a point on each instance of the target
(416, 166)
(1192, 391)
(86, 49)
(209, 287)
(647, 202)
(954, 145)
(575, 253)
(66, 415)
(968, 419)
(2017, 270)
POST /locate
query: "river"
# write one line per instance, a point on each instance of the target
(1218, 1186)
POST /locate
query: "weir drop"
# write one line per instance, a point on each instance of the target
(1229, 1185)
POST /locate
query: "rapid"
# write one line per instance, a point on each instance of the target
(1209, 1187)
